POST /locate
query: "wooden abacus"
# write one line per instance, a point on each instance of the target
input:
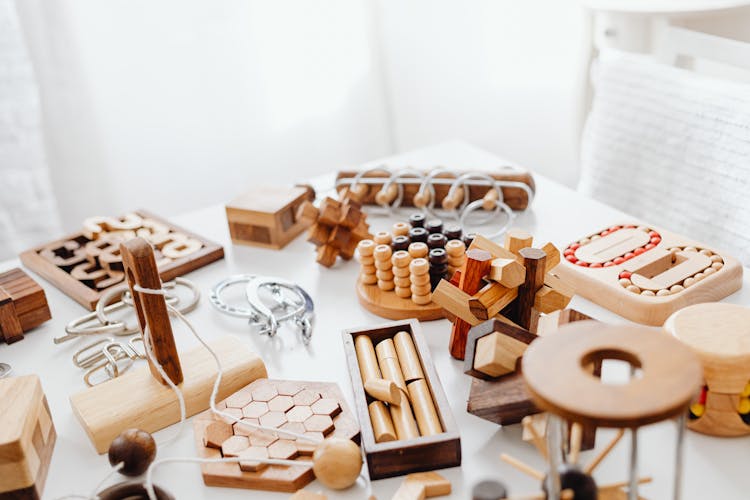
(720, 335)
(645, 274)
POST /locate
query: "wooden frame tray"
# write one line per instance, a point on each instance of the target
(400, 457)
(87, 295)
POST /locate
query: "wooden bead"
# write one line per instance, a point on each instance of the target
(386, 196)
(416, 220)
(418, 250)
(452, 232)
(418, 234)
(400, 243)
(419, 266)
(383, 252)
(383, 238)
(337, 463)
(403, 292)
(420, 290)
(401, 258)
(434, 226)
(368, 278)
(386, 286)
(135, 449)
(384, 275)
(634, 289)
(402, 282)
(648, 293)
(419, 279)
(662, 293)
(455, 248)
(366, 248)
(468, 239)
(421, 300)
(365, 269)
(401, 272)
(367, 261)
(436, 240)
(400, 229)
(438, 256)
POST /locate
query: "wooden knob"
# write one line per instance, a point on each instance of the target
(337, 463)
(453, 199)
(386, 196)
(489, 201)
(135, 449)
(422, 199)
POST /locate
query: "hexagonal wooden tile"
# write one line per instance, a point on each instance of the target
(314, 407)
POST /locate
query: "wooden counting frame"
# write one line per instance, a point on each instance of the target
(141, 398)
(720, 335)
(267, 216)
(413, 431)
(23, 305)
(27, 438)
(86, 264)
(645, 274)
(317, 408)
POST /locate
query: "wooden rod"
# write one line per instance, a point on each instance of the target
(476, 267)
(538, 441)
(368, 363)
(525, 468)
(576, 435)
(534, 262)
(603, 454)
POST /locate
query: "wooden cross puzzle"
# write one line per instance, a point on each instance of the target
(23, 305)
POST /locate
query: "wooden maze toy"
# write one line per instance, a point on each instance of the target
(23, 305)
(310, 408)
(645, 274)
(720, 335)
(88, 263)
(142, 398)
(399, 270)
(406, 420)
(27, 438)
(267, 216)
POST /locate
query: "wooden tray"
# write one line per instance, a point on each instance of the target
(404, 456)
(391, 306)
(87, 295)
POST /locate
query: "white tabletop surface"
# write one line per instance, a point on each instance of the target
(715, 468)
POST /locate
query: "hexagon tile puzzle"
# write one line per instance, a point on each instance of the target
(314, 408)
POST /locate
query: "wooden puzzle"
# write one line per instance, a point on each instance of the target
(314, 408)
(517, 282)
(720, 335)
(87, 263)
(23, 305)
(336, 227)
(399, 269)
(267, 216)
(645, 274)
(418, 433)
(421, 485)
(27, 438)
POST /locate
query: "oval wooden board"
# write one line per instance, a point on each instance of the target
(391, 306)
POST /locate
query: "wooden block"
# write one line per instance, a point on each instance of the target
(10, 327)
(135, 399)
(410, 491)
(318, 234)
(555, 295)
(454, 301)
(497, 354)
(516, 239)
(507, 272)
(330, 212)
(216, 433)
(383, 390)
(307, 495)
(27, 438)
(482, 243)
(475, 268)
(507, 334)
(534, 262)
(491, 299)
(434, 484)
(326, 255)
(553, 256)
(23, 305)
(504, 401)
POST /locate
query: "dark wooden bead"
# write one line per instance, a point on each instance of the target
(418, 234)
(489, 490)
(468, 239)
(436, 240)
(416, 220)
(453, 232)
(133, 490)
(434, 226)
(135, 449)
(400, 243)
(572, 478)
(438, 256)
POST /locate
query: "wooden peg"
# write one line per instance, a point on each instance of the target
(477, 266)
(382, 423)
(453, 199)
(140, 269)
(491, 299)
(508, 272)
(553, 256)
(388, 359)
(411, 367)
(383, 390)
(368, 363)
(403, 420)
(489, 201)
(424, 408)
(516, 239)
(534, 261)
(386, 196)
(555, 295)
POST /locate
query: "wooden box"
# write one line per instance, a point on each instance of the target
(27, 438)
(400, 457)
(23, 305)
(267, 216)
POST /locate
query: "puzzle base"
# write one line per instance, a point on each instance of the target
(391, 306)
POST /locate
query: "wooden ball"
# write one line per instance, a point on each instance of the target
(582, 484)
(337, 463)
(135, 449)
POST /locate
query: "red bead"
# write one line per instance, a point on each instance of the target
(608, 264)
(604, 233)
(649, 246)
(618, 260)
(614, 228)
(656, 240)
(653, 233)
(629, 255)
(639, 251)
(569, 251)
(582, 263)
(574, 246)
(630, 226)
(625, 275)
(571, 258)
(596, 264)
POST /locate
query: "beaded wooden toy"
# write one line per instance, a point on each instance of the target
(720, 336)
(23, 305)
(86, 264)
(556, 374)
(267, 216)
(399, 269)
(645, 274)
(311, 408)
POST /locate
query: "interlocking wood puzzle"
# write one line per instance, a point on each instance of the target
(312, 408)
(23, 305)
(87, 263)
(645, 274)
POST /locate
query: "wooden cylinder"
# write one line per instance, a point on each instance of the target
(400, 229)
(489, 201)
(453, 199)
(368, 362)
(382, 423)
(383, 390)
(387, 195)
(388, 360)
(403, 420)
(424, 408)
(534, 261)
(411, 367)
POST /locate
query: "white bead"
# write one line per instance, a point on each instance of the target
(689, 249)
(716, 258)
(707, 252)
(709, 271)
(648, 293)
(662, 293)
(698, 276)
(625, 282)
(688, 282)
(676, 288)
(634, 289)
(717, 265)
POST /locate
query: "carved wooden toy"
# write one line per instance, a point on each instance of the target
(421, 485)
(23, 305)
(141, 398)
(27, 438)
(336, 227)
(517, 282)
(720, 335)
(557, 375)
(314, 408)
(645, 274)
(417, 433)
(86, 264)
(267, 216)
(399, 269)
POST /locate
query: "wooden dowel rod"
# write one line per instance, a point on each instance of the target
(576, 435)
(525, 468)
(538, 441)
(603, 454)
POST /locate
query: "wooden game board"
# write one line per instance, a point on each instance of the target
(86, 264)
(391, 306)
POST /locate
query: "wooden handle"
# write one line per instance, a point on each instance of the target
(476, 267)
(386, 196)
(140, 269)
(489, 201)
(453, 199)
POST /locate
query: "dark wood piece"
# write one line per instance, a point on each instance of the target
(135, 449)
(534, 262)
(134, 490)
(23, 305)
(473, 271)
(140, 269)
(488, 328)
(411, 455)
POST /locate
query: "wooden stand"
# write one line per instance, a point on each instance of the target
(23, 305)
(27, 438)
(389, 305)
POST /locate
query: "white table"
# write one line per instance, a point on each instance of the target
(714, 468)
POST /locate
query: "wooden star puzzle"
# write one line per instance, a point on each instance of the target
(311, 408)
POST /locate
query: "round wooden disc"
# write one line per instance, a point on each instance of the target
(554, 368)
(720, 336)
(391, 306)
